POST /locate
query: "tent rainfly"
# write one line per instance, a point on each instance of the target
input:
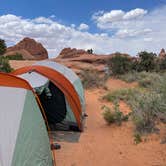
(60, 91)
(23, 134)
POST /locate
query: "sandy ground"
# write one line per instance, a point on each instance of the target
(18, 64)
(103, 145)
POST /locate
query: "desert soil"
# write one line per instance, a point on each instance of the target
(103, 145)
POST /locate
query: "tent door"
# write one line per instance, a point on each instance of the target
(55, 106)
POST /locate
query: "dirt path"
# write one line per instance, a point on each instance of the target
(103, 145)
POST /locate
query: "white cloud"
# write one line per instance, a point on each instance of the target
(134, 14)
(83, 27)
(123, 33)
(143, 32)
(43, 20)
(112, 16)
(106, 20)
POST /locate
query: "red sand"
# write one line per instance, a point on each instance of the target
(103, 145)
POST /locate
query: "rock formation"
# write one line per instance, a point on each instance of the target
(162, 53)
(71, 53)
(29, 47)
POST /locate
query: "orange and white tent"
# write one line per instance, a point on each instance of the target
(60, 91)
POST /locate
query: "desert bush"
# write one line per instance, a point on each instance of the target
(90, 51)
(4, 65)
(119, 64)
(128, 77)
(137, 138)
(91, 78)
(122, 94)
(150, 81)
(145, 79)
(3, 46)
(145, 111)
(163, 64)
(146, 61)
(114, 116)
(16, 56)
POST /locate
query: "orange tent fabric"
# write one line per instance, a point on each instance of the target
(13, 81)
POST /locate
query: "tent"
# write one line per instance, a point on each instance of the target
(23, 134)
(60, 91)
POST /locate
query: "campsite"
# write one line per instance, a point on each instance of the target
(83, 83)
(82, 142)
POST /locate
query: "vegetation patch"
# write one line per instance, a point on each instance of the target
(92, 79)
(4, 65)
(147, 102)
(122, 94)
(16, 56)
(119, 64)
(137, 138)
(114, 116)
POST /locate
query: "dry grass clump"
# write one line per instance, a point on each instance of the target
(114, 116)
(92, 79)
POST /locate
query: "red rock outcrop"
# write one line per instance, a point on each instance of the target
(162, 53)
(30, 47)
(71, 53)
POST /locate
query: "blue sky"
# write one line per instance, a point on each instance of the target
(106, 26)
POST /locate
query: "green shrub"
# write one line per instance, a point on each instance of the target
(119, 64)
(128, 77)
(4, 65)
(150, 80)
(2, 46)
(114, 116)
(145, 111)
(147, 61)
(122, 94)
(137, 138)
(17, 56)
(162, 64)
(144, 79)
(91, 79)
(146, 82)
(90, 51)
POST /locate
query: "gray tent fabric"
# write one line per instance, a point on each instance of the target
(32, 145)
(24, 138)
(12, 104)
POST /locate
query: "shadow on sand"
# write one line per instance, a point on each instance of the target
(65, 136)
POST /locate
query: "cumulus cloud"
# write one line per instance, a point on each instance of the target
(83, 27)
(112, 16)
(128, 32)
(106, 20)
(123, 33)
(134, 14)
